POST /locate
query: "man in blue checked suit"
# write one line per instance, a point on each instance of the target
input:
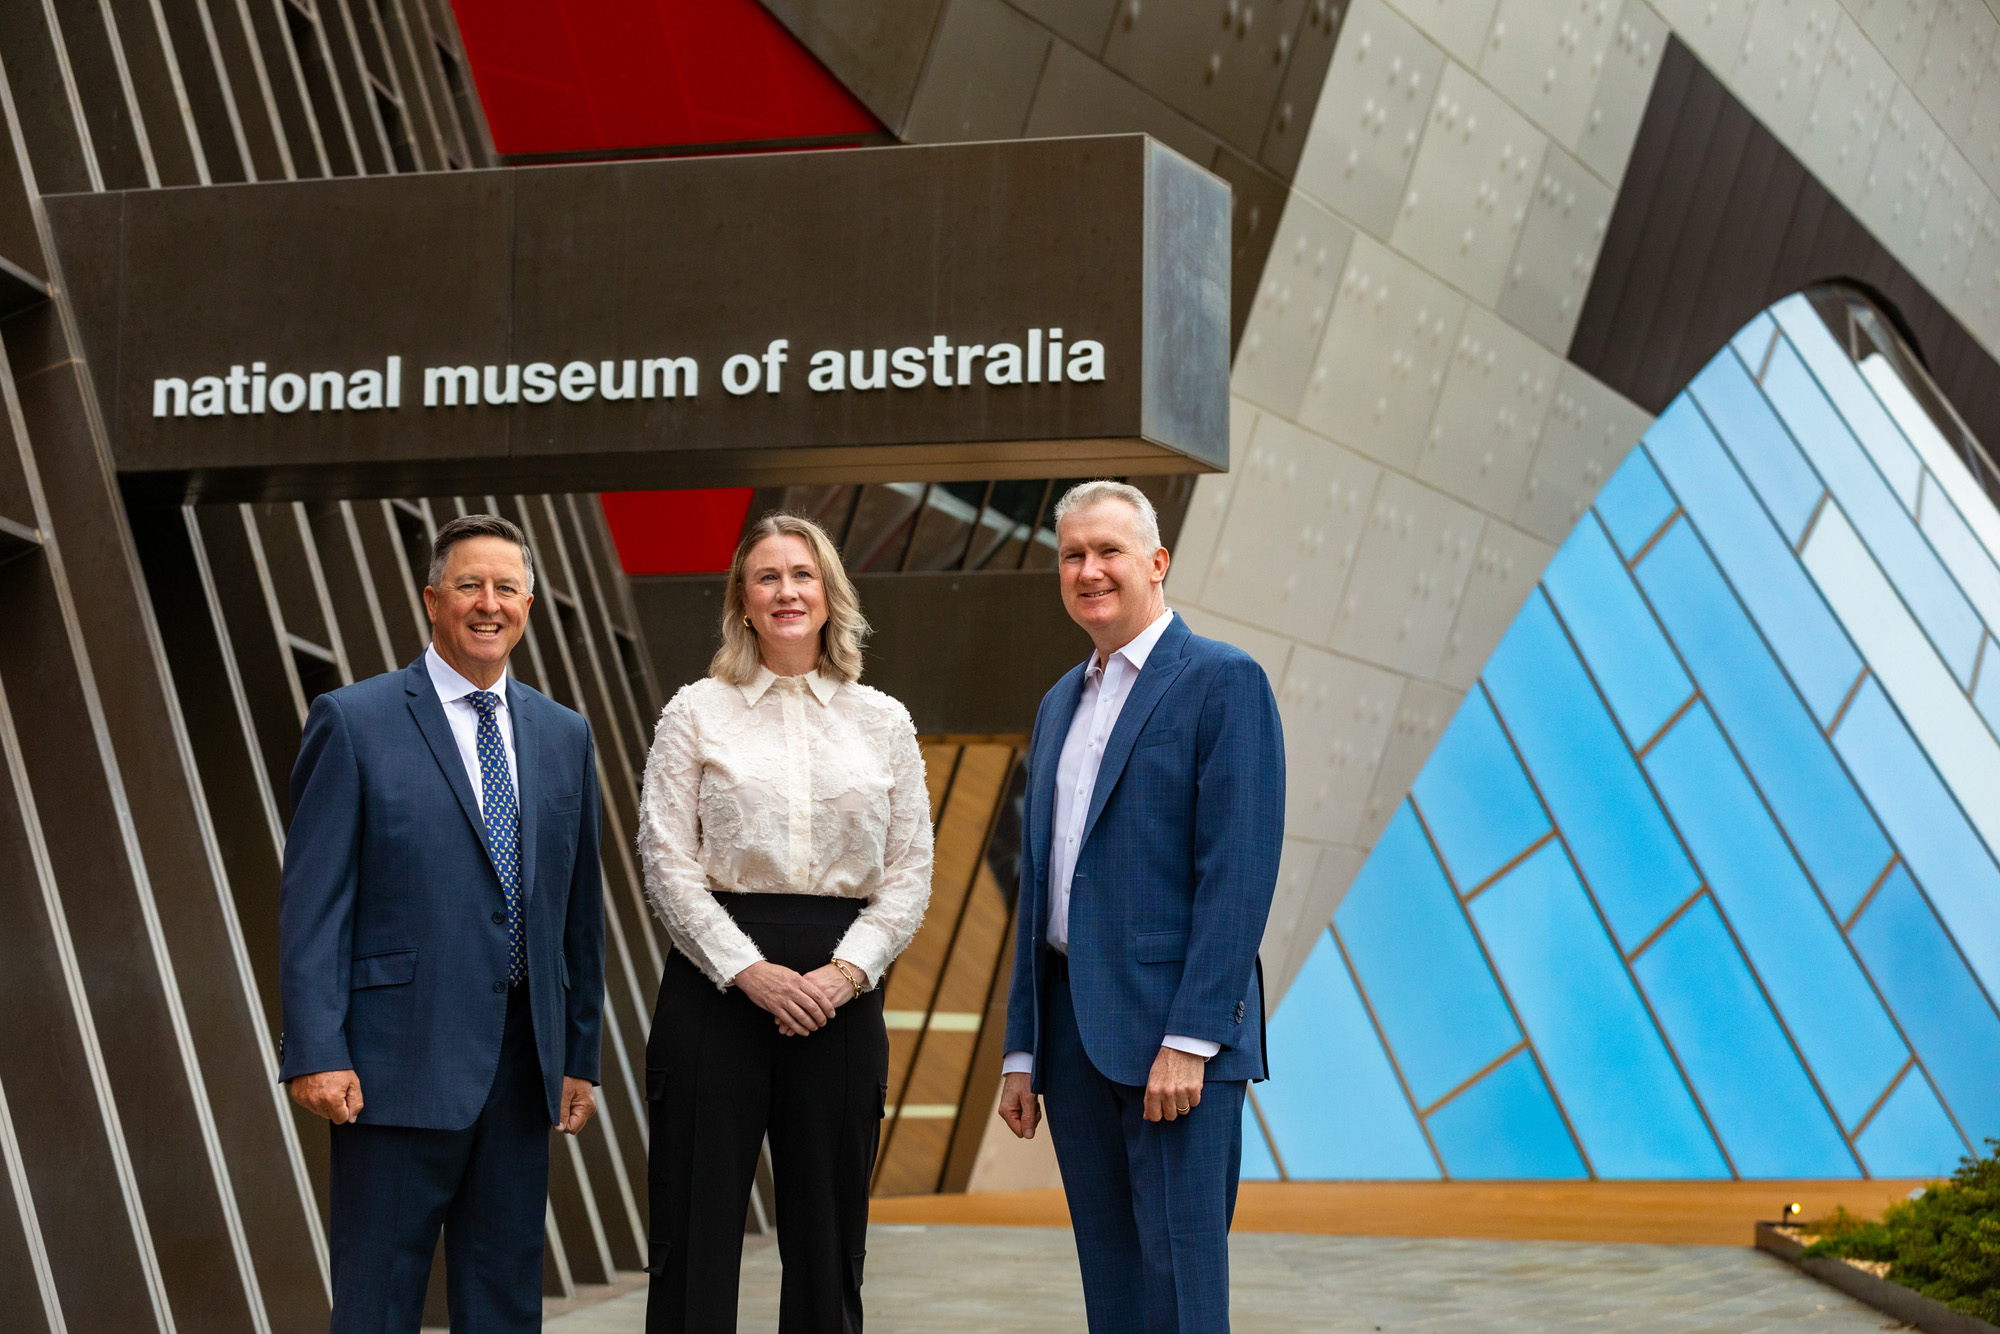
(441, 927)
(1156, 796)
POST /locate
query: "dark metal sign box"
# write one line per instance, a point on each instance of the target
(1021, 309)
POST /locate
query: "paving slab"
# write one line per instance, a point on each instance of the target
(1012, 1280)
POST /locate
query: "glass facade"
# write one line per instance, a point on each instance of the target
(1700, 881)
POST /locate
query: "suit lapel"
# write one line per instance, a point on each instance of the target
(521, 707)
(1163, 664)
(428, 710)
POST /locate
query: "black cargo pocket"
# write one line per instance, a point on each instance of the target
(854, 1263)
(656, 1084)
(657, 1254)
(882, 1100)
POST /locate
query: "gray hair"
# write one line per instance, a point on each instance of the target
(1085, 494)
(478, 525)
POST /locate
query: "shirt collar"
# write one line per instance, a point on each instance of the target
(450, 686)
(823, 687)
(1141, 647)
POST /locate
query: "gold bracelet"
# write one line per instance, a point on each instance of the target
(847, 972)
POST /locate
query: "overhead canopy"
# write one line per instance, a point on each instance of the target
(1021, 309)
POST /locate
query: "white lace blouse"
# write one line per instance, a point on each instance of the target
(787, 785)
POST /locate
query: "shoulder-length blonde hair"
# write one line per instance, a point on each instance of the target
(840, 639)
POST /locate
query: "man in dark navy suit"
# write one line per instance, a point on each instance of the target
(442, 933)
(1156, 798)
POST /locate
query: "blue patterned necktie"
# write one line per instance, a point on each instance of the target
(503, 823)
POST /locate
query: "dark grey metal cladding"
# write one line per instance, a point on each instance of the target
(1187, 302)
(1219, 62)
(1087, 23)
(1717, 219)
(979, 80)
(706, 258)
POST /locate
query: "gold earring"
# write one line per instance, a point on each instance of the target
(746, 620)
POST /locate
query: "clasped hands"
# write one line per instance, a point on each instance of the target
(1173, 1089)
(336, 1096)
(802, 1003)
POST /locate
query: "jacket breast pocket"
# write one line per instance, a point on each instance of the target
(1160, 946)
(390, 968)
(1160, 736)
(562, 803)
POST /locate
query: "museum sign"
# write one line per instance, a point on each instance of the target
(1030, 308)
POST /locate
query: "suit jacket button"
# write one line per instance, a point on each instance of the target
(499, 987)
(499, 919)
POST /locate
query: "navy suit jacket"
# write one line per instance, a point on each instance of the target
(1175, 873)
(391, 919)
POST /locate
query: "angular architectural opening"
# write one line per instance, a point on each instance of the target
(1700, 881)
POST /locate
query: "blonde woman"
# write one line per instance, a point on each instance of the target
(785, 832)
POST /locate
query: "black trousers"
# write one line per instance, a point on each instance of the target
(486, 1185)
(720, 1078)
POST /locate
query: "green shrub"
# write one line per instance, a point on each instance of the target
(1945, 1243)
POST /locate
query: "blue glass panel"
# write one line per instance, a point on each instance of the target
(1941, 849)
(1753, 339)
(1335, 1108)
(1634, 503)
(1619, 638)
(1587, 775)
(1842, 381)
(1606, 1060)
(1762, 447)
(1948, 1019)
(1258, 1164)
(1960, 549)
(1815, 800)
(1759, 1100)
(1986, 689)
(1759, 562)
(1505, 1127)
(1475, 798)
(1933, 596)
(1416, 959)
(1911, 1136)
(1795, 946)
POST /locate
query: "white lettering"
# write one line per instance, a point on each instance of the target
(829, 371)
(909, 367)
(739, 374)
(538, 382)
(610, 388)
(237, 382)
(774, 357)
(453, 381)
(327, 389)
(940, 360)
(861, 381)
(256, 386)
(966, 355)
(288, 392)
(1034, 356)
(364, 390)
(172, 391)
(665, 370)
(392, 380)
(1086, 359)
(1055, 356)
(578, 380)
(1003, 364)
(496, 392)
(207, 401)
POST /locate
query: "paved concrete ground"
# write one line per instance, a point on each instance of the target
(968, 1280)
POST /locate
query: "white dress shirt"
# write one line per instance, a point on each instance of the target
(1107, 684)
(459, 711)
(785, 785)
